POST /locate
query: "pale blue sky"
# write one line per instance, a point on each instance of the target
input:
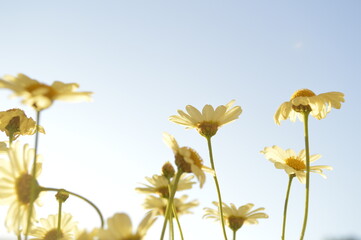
(145, 59)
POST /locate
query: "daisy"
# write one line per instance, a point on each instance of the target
(293, 163)
(159, 185)
(86, 235)
(15, 186)
(236, 217)
(158, 205)
(49, 228)
(187, 159)
(120, 227)
(40, 95)
(304, 100)
(207, 122)
(14, 123)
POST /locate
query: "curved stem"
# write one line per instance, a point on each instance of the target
(178, 223)
(305, 122)
(291, 176)
(33, 173)
(170, 202)
(59, 220)
(78, 196)
(220, 207)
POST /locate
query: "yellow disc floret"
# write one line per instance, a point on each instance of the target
(295, 163)
(303, 93)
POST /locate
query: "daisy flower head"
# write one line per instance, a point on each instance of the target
(159, 185)
(187, 159)
(209, 120)
(40, 95)
(304, 100)
(16, 184)
(49, 228)
(86, 235)
(159, 205)
(293, 163)
(236, 217)
(120, 227)
(14, 123)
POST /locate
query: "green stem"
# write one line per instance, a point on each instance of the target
(170, 202)
(305, 122)
(171, 228)
(178, 223)
(59, 220)
(234, 235)
(220, 207)
(291, 176)
(33, 173)
(78, 196)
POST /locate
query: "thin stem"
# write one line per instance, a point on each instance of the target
(170, 202)
(171, 228)
(59, 220)
(178, 222)
(33, 173)
(234, 234)
(291, 176)
(78, 196)
(305, 123)
(217, 186)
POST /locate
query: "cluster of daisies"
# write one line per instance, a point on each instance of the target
(21, 165)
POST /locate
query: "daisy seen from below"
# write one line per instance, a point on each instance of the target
(236, 217)
(49, 228)
(86, 235)
(158, 184)
(187, 159)
(293, 163)
(158, 205)
(304, 100)
(14, 123)
(40, 95)
(15, 186)
(120, 228)
(209, 120)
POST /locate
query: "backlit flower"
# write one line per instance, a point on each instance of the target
(40, 95)
(120, 227)
(293, 163)
(304, 100)
(158, 205)
(159, 185)
(15, 122)
(48, 230)
(236, 217)
(15, 185)
(209, 120)
(86, 235)
(187, 159)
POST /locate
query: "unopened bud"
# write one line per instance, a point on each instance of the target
(62, 195)
(168, 170)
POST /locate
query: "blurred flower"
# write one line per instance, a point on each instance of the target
(86, 235)
(15, 122)
(304, 100)
(187, 159)
(15, 186)
(159, 185)
(158, 205)
(41, 96)
(48, 230)
(120, 227)
(236, 217)
(207, 122)
(293, 163)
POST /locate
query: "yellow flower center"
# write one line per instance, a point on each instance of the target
(13, 127)
(303, 93)
(235, 223)
(53, 235)
(133, 237)
(23, 186)
(207, 129)
(295, 163)
(43, 89)
(185, 166)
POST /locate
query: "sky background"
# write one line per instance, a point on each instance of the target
(145, 59)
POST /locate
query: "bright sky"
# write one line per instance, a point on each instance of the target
(145, 59)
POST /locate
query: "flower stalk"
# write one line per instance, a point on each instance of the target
(217, 186)
(291, 176)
